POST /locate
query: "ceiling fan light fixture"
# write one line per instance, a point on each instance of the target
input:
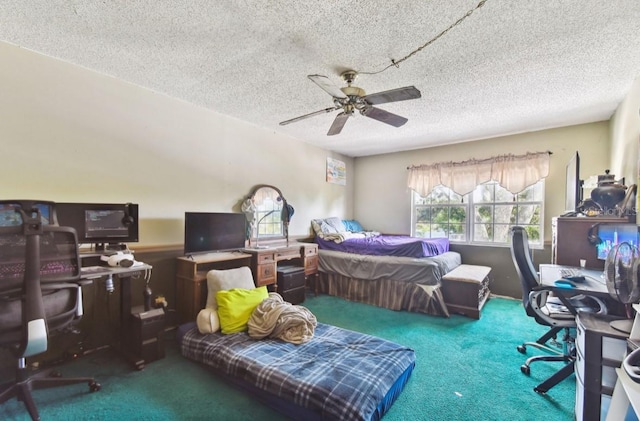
(349, 76)
(351, 98)
(353, 91)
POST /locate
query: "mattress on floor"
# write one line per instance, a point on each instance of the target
(339, 374)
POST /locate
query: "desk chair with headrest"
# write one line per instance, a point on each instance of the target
(556, 311)
(39, 294)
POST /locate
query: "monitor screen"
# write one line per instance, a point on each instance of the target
(105, 223)
(209, 232)
(100, 223)
(9, 217)
(611, 235)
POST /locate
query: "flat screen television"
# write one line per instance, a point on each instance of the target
(612, 234)
(210, 232)
(573, 189)
(100, 223)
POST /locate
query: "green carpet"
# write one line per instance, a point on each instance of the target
(465, 370)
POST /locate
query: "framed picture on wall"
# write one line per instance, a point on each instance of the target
(336, 172)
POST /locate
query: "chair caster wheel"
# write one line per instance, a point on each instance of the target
(522, 349)
(525, 369)
(94, 386)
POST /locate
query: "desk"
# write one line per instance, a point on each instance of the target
(594, 282)
(191, 271)
(599, 347)
(123, 277)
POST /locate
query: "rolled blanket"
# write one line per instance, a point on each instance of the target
(276, 318)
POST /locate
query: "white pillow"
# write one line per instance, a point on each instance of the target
(328, 226)
(219, 280)
(332, 225)
(208, 321)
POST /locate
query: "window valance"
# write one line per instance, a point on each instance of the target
(513, 172)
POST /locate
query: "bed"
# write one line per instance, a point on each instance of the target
(394, 272)
(348, 236)
(339, 374)
(388, 245)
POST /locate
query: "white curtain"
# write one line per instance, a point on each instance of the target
(513, 172)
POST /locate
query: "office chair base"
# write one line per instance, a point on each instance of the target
(523, 348)
(526, 369)
(541, 343)
(556, 378)
(22, 387)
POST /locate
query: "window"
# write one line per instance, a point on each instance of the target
(480, 217)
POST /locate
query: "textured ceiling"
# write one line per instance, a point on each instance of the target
(510, 67)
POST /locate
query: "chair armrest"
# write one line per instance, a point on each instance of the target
(538, 302)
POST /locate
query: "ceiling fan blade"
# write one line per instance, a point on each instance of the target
(394, 95)
(338, 124)
(328, 86)
(384, 116)
(302, 117)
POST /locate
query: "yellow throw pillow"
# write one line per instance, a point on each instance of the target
(236, 305)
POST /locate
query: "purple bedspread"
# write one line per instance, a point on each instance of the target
(389, 245)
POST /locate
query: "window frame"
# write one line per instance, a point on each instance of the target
(471, 205)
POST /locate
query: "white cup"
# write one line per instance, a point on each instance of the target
(583, 263)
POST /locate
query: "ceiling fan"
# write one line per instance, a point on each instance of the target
(351, 98)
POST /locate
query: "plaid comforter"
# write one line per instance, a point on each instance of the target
(339, 374)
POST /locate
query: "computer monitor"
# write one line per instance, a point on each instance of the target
(610, 235)
(101, 223)
(573, 188)
(10, 218)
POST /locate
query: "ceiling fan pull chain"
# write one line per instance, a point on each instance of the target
(431, 41)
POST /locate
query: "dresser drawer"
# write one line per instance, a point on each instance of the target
(266, 274)
(613, 349)
(580, 339)
(264, 258)
(310, 251)
(310, 265)
(579, 364)
(288, 254)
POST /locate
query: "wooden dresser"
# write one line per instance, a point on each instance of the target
(191, 272)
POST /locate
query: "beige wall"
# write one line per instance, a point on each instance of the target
(625, 135)
(383, 201)
(69, 134)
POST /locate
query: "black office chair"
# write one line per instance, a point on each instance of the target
(556, 311)
(39, 294)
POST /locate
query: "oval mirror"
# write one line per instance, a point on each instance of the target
(264, 210)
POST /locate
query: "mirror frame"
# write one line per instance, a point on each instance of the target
(254, 219)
